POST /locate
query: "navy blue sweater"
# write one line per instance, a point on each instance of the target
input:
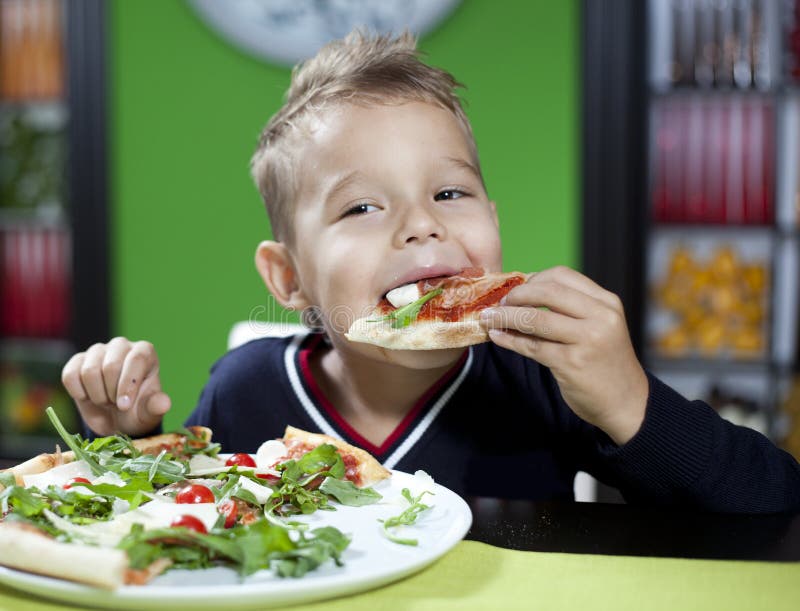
(496, 425)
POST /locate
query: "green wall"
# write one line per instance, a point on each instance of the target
(186, 110)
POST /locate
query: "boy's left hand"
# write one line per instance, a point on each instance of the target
(583, 339)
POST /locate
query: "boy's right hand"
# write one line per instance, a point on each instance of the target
(116, 387)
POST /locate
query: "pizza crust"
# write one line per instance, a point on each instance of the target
(169, 441)
(370, 470)
(38, 464)
(431, 335)
(36, 552)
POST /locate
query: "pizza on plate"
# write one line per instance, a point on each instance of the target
(114, 511)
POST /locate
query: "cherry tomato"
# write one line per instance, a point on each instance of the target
(194, 493)
(271, 478)
(76, 480)
(190, 522)
(240, 460)
(228, 509)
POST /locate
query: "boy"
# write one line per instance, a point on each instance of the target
(371, 179)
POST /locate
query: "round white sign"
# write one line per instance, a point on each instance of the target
(288, 31)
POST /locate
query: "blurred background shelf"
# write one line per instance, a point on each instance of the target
(35, 349)
(696, 106)
(53, 221)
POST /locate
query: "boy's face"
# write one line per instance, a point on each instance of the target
(387, 195)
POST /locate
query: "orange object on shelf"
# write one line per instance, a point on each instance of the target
(31, 50)
(718, 306)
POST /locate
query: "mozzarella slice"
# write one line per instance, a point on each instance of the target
(58, 476)
(269, 454)
(200, 464)
(403, 295)
(262, 493)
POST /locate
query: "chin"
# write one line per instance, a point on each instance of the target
(410, 359)
(418, 359)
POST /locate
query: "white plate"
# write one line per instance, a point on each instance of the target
(371, 560)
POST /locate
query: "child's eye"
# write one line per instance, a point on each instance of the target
(359, 209)
(446, 194)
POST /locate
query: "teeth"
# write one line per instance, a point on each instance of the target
(403, 295)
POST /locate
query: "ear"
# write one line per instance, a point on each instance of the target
(274, 263)
(496, 218)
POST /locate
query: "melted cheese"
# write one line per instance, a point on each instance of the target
(269, 454)
(403, 295)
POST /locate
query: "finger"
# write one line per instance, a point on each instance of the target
(577, 281)
(148, 411)
(98, 418)
(540, 350)
(140, 363)
(157, 405)
(92, 374)
(116, 351)
(533, 321)
(71, 377)
(556, 296)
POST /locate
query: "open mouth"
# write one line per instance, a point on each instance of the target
(427, 273)
(438, 276)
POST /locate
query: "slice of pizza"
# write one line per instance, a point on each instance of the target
(435, 313)
(361, 467)
(28, 548)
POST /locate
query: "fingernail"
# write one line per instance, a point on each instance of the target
(487, 314)
(123, 402)
(495, 333)
(503, 300)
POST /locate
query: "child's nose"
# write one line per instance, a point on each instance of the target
(418, 225)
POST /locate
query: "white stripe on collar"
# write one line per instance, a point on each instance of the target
(320, 420)
(300, 391)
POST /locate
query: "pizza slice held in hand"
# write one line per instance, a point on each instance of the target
(435, 313)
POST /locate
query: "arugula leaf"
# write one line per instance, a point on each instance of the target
(197, 445)
(245, 548)
(347, 493)
(7, 479)
(402, 317)
(22, 501)
(119, 446)
(82, 507)
(159, 469)
(295, 492)
(245, 495)
(326, 542)
(324, 457)
(258, 543)
(408, 517)
(132, 492)
(75, 443)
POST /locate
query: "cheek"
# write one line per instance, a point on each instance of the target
(342, 281)
(481, 240)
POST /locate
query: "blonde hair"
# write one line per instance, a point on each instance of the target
(359, 69)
